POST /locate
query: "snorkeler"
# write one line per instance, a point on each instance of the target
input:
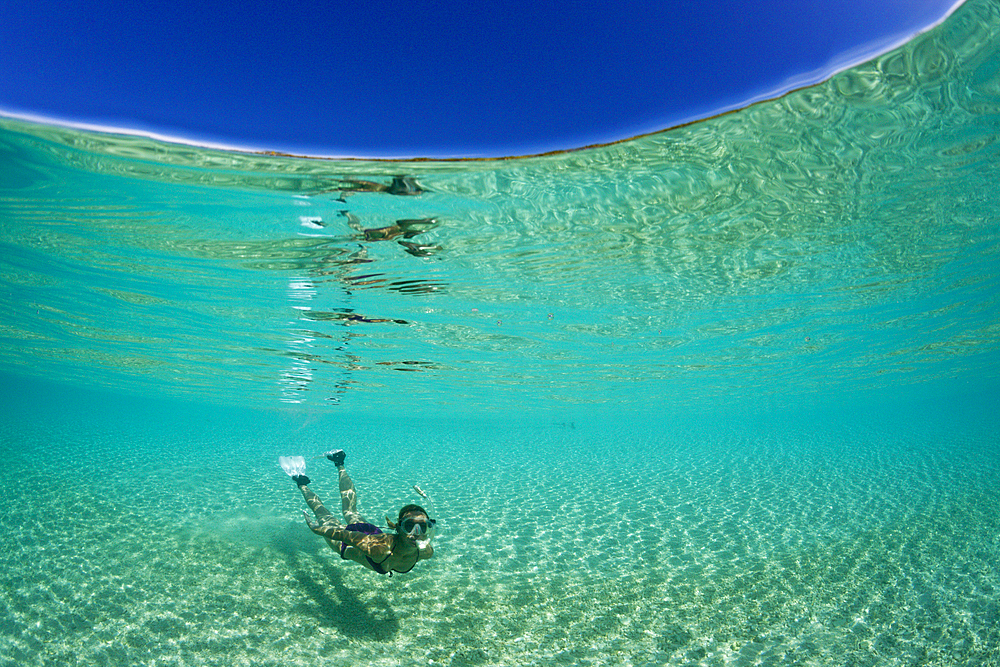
(359, 540)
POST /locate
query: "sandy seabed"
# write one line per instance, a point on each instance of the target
(559, 549)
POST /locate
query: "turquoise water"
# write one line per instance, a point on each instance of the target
(724, 395)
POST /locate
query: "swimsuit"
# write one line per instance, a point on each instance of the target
(370, 529)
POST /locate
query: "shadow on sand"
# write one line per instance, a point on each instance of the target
(329, 600)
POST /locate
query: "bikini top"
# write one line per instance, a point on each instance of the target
(381, 570)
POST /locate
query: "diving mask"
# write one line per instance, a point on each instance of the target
(420, 528)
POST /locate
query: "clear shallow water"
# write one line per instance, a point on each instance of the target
(155, 533)
(723, 395)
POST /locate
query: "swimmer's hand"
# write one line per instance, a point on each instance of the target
(312, 526)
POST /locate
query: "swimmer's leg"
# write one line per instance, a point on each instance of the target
(323, 515)
(349, 498)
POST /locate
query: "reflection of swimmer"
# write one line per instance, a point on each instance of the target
(359, 540)
(405, 228)
(347, 318)
(418, 250)
(400, 185)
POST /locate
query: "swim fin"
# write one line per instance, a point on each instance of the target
(295, 466)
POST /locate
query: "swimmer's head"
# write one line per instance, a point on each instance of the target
(414, 523)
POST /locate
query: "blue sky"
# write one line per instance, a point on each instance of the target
(385, 79)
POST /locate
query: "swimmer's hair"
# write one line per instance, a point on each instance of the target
(406, 509)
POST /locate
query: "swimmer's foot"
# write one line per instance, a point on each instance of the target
(337, 456)
(300, 480)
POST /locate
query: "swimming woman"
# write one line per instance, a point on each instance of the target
(359, 540)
